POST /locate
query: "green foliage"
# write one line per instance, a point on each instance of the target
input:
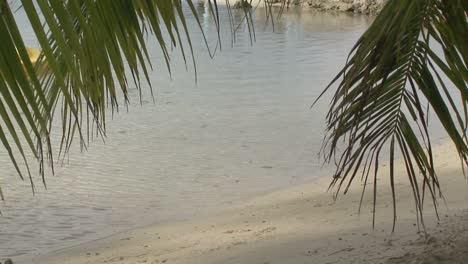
(85, 44)
(392, 72)
(242, 4)
(80, 73)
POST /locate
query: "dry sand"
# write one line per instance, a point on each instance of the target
(303, 225)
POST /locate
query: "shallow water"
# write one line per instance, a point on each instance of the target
(244, 128)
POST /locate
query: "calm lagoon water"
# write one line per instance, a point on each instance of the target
(243, 129)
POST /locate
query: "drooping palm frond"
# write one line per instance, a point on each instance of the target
(85, 45)
(92, 51)
(392, 72)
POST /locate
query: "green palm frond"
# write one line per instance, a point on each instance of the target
(392, 72)
(92, 51)
(85, 45)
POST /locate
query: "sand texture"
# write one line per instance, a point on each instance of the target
(303, 224)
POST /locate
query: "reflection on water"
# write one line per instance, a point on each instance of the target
(243, 129)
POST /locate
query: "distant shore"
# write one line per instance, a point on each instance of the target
(303, 225)
(353, 6)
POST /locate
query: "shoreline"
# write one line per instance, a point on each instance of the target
(366, 7)
(302, 224)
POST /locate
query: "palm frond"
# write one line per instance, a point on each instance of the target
(85, 45)
(91, 52)
(382, 90)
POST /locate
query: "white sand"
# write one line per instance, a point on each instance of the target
(303, 225)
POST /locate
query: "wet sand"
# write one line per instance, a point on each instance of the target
(304, 225)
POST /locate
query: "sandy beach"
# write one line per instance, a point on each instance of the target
(304, 225)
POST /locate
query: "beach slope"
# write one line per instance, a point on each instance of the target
(304, 224)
